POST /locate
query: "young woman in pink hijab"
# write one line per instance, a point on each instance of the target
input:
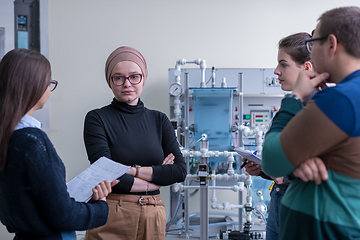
(128, 132)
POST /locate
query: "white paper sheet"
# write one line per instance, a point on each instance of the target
(80, 187)
(248, 155)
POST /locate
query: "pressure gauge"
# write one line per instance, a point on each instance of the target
(175, 89)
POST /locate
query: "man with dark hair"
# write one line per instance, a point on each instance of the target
(328, 209)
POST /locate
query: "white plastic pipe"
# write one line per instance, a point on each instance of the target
(200, 62)
(177, 108)
(259, 135)
(177, 73)
(180, 187)
(205, 153)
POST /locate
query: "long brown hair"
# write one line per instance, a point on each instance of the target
(24, 77)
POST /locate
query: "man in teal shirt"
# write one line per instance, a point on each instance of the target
(328, 128)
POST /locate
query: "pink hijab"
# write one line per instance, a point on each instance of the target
(125, 54)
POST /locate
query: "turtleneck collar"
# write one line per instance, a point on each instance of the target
(126, 108)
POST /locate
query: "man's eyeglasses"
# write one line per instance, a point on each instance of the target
(53, 84)
(309, 43)
(119, 80)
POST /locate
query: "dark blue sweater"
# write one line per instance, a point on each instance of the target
(34, 203)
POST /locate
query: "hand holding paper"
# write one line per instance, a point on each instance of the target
(102, 190)
(80, 187)
(248, 155)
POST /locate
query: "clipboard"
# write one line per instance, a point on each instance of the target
(248, 155)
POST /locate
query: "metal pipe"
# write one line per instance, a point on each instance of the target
(186, 114)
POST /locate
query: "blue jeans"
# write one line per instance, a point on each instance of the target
(272, 225)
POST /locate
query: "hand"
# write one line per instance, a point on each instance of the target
(313, 169)
(131, 171)
(278, 180)
(169, 159)
(103, 189)
(141, 185)
(307, 81)
(252, 168)
(153, 187)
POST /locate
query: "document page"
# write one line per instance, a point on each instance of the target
(80, 187)
(248, 155)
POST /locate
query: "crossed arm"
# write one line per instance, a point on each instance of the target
(313, 169)
(145, 175)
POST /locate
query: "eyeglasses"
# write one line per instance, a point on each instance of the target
(119, 80)
(309, 43)
(53, 84)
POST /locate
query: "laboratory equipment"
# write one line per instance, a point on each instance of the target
(27, 24)
(212, 118)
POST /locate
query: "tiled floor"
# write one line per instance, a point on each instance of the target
(177, 235)
(213, 233)
(193, 235)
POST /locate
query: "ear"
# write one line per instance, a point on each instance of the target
(308, 65)
(333, 44)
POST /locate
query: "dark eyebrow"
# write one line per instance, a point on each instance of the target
(131, 73)
(282, 60)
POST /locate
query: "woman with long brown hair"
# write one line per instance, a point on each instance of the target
(34, 203)
(293, 57)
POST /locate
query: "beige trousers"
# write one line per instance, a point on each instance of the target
(131, 221)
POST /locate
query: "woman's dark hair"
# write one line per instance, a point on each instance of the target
(295, 46)
(24, 76)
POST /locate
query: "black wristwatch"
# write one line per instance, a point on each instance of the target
(290, 95)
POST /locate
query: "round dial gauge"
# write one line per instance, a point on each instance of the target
(175, 89)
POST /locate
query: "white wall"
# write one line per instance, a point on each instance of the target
(226, 33)
(7, 21)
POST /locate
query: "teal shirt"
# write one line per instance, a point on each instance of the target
(272, 146)
(328, 128)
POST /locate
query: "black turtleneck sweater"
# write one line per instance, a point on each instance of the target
(134, 135)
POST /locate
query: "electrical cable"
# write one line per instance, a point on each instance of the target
(177, 139)
(192, 140)
(196, 141)
(208, 81)
(180, 201)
